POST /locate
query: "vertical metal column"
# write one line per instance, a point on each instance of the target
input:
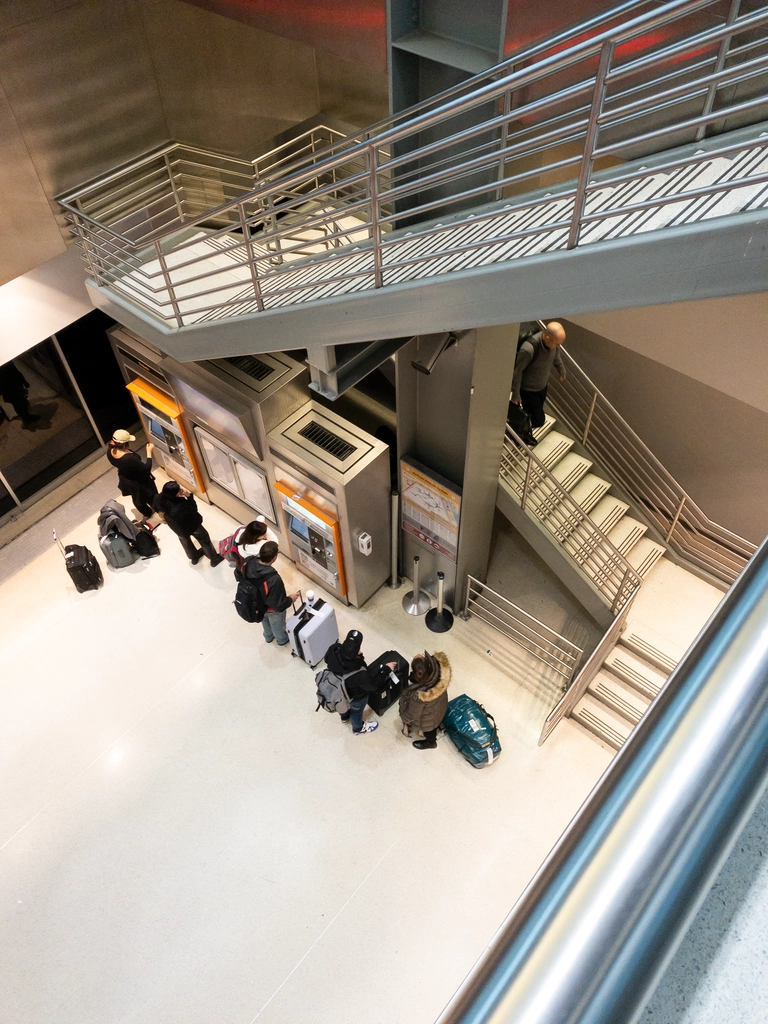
(394, 578)
(590, 142)
(439, 619)
(416, 602)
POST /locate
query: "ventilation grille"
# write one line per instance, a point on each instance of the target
(329, 442)
(252, 366)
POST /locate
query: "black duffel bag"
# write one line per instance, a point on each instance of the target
(520, 422)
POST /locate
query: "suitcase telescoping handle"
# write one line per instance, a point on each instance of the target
(61, 546)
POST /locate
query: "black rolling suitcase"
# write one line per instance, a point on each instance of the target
(83, 569)
(389, 689)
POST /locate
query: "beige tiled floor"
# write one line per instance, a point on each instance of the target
(182, 838)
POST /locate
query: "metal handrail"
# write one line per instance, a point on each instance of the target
(679, 520)
(546, 501)
(548, 646)
(373, 169)
(589, 670)
(591, 935)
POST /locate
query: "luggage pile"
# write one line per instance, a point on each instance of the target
(121, 540)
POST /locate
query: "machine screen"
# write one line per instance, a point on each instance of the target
(156, 429)
(299, 528)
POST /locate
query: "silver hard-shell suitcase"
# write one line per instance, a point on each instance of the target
(312, 630)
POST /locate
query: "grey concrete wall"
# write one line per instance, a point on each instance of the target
(715, 445)
(88, 84)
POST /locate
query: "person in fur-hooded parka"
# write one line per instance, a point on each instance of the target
(423, 704)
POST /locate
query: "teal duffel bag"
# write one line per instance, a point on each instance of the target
(472, 730)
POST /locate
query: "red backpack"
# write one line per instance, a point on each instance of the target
(228, 549)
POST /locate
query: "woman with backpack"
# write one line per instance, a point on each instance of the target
(423, 704)
(179, 509)
(250, 538)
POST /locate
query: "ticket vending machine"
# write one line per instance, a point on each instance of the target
(161, 418)
(314, 539)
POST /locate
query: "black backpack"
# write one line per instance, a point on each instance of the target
(250, 597)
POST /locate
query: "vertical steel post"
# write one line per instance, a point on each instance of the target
(722, 54)
(373, 185)
(251, 260)
(416, 602)
(590, 142)
(506, 106)
(394, 579)
(527, 481)
(168, 284)
(588, 424)
(671, 529)
(173, 188)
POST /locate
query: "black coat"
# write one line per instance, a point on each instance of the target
(362, 682)
(134, 474)
(181, 514)
(276, 598)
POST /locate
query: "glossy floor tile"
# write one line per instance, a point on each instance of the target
(183, 839)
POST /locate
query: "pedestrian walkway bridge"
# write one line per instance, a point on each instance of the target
(575, 146)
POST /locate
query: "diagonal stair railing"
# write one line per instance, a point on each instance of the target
(543, 498)
(679, 521)
(549, 162)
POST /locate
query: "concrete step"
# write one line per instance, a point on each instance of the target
(570, 469)
(600, 720)
(544, 499)
(620, 697)
(541, 432)
(651, 646)
(607, 512)
(589, 490)
(644, 555)
(554, 446)
(646, 678)
(626, 534)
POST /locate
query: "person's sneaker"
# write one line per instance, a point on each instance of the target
(368, 727)
(197, 558)
(425, 744)
(217, 560)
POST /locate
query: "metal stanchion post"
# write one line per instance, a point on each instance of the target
(416, 602)
(439, 619)
(394, 578)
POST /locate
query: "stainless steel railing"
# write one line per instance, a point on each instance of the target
(552, 650)
(677, 518)
(560, 119)
(537, 656)
(589, 670)
(545, 499)
(591, 935)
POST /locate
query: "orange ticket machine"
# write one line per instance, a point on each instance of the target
(161, 418)
(314, 538)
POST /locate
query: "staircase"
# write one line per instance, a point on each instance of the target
(623, 688)
(599, 145)
(568, 514)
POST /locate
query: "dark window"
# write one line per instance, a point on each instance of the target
(90, 357)
(44, 430)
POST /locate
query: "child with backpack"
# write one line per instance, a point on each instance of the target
(346, 684)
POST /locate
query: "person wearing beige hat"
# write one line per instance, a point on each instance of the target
(134, 473)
